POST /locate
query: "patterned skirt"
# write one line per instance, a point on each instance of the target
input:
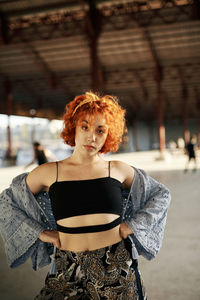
(106, 273)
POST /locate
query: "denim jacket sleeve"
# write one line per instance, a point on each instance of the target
(146, 212)
(22, 219)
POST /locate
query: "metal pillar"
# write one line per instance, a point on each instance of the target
(32, 114)
(94, 64)
(186, 130)
(198, 135)
(135, 135)
(151, 134)
(9, 112)
(158, 78)
(198, 115)
(161, 128)
(185, 115)
(93, 22)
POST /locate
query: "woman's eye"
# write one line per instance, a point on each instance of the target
(85, 127)
(100, 131)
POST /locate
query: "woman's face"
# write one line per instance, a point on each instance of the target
(91, 133)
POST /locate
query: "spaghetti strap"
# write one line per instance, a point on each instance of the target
(56, 171)
(109, 168)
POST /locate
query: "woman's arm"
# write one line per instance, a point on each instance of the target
(24, 225)
(127, 174)
(40, 179)
(37, 180)
(50, 236)
(20, 223)
(146, 213)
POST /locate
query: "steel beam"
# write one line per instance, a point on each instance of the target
(93, 26)
(143, 13)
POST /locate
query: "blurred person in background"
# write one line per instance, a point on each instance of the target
(190, 151)
(172, 146)
(181, 145)
(41, 155)
(95, 216)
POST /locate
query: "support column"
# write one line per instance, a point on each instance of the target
(93, 22)
(96, 80)
(9, 112)
(161, 127)
(150, 133)
(131, 142)
(185, 115)
(198, 135)
(158, 79)
(135, 135)
(198, 116)
(32, 114)
(186, 130)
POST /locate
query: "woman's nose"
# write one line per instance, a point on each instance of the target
(91, 136)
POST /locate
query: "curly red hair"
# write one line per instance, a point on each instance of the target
(91, 103)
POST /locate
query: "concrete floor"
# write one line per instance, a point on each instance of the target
(175, 272)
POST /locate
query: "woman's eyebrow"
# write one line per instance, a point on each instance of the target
(99, 126)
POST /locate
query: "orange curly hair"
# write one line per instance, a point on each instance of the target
(91, 103)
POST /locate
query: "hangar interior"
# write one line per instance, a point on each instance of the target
(147, 53)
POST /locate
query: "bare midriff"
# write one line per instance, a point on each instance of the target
(89, 241)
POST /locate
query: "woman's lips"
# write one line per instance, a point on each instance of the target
(89, 147)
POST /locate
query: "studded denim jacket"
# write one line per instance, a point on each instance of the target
(24, 216)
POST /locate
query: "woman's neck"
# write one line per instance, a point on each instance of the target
(78, 159)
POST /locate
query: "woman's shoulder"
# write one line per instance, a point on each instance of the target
(42, 176)
(44, 168)
(126, 170)
(122, 166)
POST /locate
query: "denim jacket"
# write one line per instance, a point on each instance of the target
(24, 216)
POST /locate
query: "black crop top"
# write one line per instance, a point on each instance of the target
(82, 197)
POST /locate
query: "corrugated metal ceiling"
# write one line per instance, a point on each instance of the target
(47, 61)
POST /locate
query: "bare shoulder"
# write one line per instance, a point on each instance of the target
(126, 171)
(41, 177)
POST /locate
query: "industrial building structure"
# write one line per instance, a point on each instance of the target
(145, 52)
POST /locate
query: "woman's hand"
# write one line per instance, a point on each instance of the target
(124, 230)
(50, 236)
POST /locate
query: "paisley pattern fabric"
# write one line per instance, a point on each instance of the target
(106, 273)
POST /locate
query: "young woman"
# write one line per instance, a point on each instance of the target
(102, 213)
